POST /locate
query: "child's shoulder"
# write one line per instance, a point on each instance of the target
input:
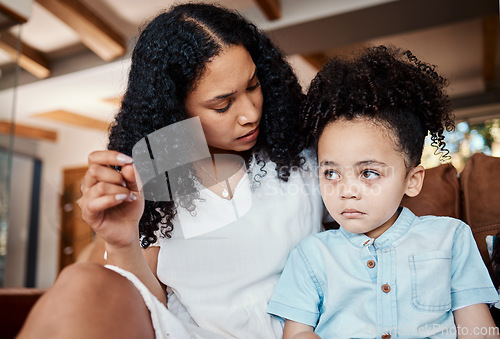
(430, 224)
(440, 221)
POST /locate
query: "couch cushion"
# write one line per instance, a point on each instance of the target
(15, 304)
(480, 186)
(440, 193)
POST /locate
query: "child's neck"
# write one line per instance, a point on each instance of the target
(375, 233)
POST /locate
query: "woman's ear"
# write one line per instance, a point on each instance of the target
(415, 180)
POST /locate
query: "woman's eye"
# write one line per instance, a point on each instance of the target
(331, 175)
(369, 174)
(253, 87)
(223, 109)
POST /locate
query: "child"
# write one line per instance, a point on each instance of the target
(385, 273)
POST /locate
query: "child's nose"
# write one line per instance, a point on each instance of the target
(350, 189)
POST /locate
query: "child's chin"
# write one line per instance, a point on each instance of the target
(356, 227)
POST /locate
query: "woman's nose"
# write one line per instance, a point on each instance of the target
(249, 111)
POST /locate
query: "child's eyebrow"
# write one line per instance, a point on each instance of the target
(328, 163)
(370, 163)
(358, 164)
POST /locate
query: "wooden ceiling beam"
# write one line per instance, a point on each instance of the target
(74, 119)
(490, 37)
(24, 131)
(10, 16)
(94, 32)
(29, 58)
(115, 101)
(270, 8)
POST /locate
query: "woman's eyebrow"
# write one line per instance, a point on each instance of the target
(223, 96)
(220, 97)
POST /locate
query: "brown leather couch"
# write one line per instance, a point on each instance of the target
(15, 304)
(473, 197)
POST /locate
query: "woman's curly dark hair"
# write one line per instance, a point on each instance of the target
(386, 84)
(169, 57)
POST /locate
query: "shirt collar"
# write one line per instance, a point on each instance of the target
(386, 239)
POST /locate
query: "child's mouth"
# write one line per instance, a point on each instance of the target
(351, 213)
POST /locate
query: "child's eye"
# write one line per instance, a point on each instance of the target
(222, 110)
(369, 174)
(331, 175)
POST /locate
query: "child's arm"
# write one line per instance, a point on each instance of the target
(475, 321)
(295, 330)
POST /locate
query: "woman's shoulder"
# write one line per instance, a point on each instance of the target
(310, 155)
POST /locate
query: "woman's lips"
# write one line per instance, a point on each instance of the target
(250, 136)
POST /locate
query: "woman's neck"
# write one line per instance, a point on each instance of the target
(220, 173)
(245, 154)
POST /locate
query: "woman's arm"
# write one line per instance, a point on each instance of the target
(112, 205)
(151, 255)
(475, 321)
(295, 330)
(133, 260)
(93, 252)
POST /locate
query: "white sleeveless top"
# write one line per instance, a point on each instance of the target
(223, 263)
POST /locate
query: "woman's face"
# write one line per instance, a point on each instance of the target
(228, 101)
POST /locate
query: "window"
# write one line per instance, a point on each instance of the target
(466, 140)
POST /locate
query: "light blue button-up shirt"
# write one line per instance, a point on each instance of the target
(406, 282)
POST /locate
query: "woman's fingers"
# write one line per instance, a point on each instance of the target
(131, 177)
(110, 202)
(99, 169)
(109, 158)
(99, 173)
(106, 189)
(104, 202)
(104, 195)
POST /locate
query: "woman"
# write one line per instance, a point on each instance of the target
(203, 62)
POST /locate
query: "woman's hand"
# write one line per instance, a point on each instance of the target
(110, 202)
(112, 206)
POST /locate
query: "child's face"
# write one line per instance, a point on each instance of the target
(363, 175)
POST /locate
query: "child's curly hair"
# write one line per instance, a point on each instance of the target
(386, 84)
(170, 56)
